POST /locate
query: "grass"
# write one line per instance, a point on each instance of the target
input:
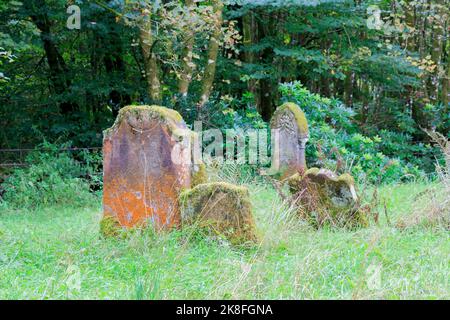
(57, 253)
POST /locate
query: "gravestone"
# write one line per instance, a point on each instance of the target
(290, 129)
(220, 209)
(141, 182)
(324, 198)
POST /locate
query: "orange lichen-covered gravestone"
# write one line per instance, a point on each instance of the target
(141, 182)
(290, 126)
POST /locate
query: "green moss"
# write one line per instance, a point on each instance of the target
(312, 171)
(205, 189)
(169, 116)
(347, 179)
(110, 227)
(295, 177)
(163, 112)
(298, 113)
(199, 174)
(221, 209)
(324, 199)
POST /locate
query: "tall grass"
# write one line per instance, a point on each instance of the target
(432, 207)
(58, 253)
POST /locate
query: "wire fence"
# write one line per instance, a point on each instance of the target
(15, 158)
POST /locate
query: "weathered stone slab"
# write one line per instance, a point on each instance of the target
(290, 126)
(324, 198)
(220, 208)
(141, 182)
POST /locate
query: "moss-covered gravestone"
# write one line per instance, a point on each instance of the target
(141, 180)
(324, 198)
(290, 128)
(221, 209)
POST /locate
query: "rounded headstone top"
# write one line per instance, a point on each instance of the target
(139, 117)
(221, 186)
(297, 112)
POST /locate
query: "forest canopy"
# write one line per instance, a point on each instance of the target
(371, 75)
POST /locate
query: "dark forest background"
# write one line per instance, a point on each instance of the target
(371, 75)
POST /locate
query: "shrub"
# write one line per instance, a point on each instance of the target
(51, 177)
(337, 143)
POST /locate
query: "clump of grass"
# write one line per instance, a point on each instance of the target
(110, 227)
(233, 173)
(277, 218)
(432, 206)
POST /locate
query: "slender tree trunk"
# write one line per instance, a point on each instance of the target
(365, 92)
(115, 65)
(267, 103)
(422, 26)
(95, 58)
(325, 86)
(437, 46)
(213, 51)
(422, 47)
(445, 94)
(348, 88)
(150, 61)
(268, 85)
(249, 38)
(187, 66)
(59, 72)
(410, 19)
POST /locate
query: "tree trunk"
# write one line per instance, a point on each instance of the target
(59, 76)
(365, 92)
(115, 65)
(437, 46)
(445, 94)
(150, 61)
(348, 88)
(187, 66)
(267, 103)
(410, 20)
(268, 92)
(213, 51)
(94, 58)
(250, 36)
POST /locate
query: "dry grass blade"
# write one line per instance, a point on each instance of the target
(434, 209)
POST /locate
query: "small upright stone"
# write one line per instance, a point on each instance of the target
(221, 209)
(141, 182)
(290, 127)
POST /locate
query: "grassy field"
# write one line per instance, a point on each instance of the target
(57, 253)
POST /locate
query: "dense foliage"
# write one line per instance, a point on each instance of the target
(53, 178)
(337, 143)
(222, 62)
